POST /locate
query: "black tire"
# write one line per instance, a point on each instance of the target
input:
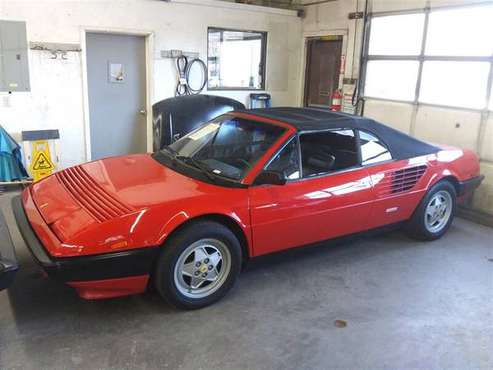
(177, 245)
(417, 225)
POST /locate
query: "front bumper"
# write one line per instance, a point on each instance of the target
(468, 186)
(8, 260)
(86, 269)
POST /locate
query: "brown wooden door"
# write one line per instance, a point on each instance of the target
(323, 66)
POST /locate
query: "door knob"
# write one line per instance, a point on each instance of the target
(143, 112)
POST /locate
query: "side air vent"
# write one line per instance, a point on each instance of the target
(101, 205)
(400, 181)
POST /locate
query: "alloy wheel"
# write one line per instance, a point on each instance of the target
(202, 268)
(438, 211)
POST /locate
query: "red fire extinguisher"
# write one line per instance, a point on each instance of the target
(336, 101)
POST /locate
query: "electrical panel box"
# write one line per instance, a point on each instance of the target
(14, 67)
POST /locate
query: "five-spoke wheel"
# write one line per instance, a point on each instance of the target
(198, 264)
(438, 211)
(202, 268)
(434, 214)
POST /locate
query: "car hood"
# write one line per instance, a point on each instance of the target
(140, 181)
(98, 192)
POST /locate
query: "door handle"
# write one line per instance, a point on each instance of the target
(143, 112)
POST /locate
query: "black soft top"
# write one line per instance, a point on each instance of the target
(401, 146)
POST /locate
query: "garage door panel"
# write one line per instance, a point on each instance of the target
(448, 126)
(392, 5)
(396, 115)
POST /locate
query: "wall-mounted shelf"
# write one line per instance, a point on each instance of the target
(56, 49)
(178, 53)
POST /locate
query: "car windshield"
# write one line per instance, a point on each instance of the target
(226, 147)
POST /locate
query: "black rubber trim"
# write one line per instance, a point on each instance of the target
(104, 266)
(86, 268)
(470, 185)
(27, 232)
(8, 259)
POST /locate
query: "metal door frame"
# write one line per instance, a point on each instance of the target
(149, 47)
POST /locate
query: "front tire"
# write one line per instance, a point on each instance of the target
(435, 213)
(198, 265)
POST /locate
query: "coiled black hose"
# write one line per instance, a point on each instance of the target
(184, 67)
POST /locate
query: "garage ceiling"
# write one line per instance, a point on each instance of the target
(288, 4)
(284, 4)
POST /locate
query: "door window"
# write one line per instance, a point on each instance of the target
(287, 161)
(326, 152)
(372, 149)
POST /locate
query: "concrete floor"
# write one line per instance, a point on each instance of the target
(407, 304)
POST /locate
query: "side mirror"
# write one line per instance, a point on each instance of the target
(270, 178)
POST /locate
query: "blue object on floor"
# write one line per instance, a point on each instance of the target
(11, 167)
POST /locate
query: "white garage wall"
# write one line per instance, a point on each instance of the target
(56, 96)
(466, 129)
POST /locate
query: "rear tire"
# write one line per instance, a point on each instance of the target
(198, 265)
(435, 213)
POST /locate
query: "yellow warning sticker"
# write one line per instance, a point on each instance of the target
(41, 165)
(42, 162)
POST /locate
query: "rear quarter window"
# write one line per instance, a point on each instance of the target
(373, 150)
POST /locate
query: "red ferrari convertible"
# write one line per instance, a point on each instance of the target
(245, 184)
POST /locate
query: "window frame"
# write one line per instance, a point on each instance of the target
(263, 59)
(422, 58)
(352, 168)
(296, 137)
(392, 159)
(283, 146)
(222, 119)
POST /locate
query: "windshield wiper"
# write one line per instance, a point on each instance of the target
(197, 164)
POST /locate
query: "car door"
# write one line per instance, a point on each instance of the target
(327, 193)
(397, 184)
